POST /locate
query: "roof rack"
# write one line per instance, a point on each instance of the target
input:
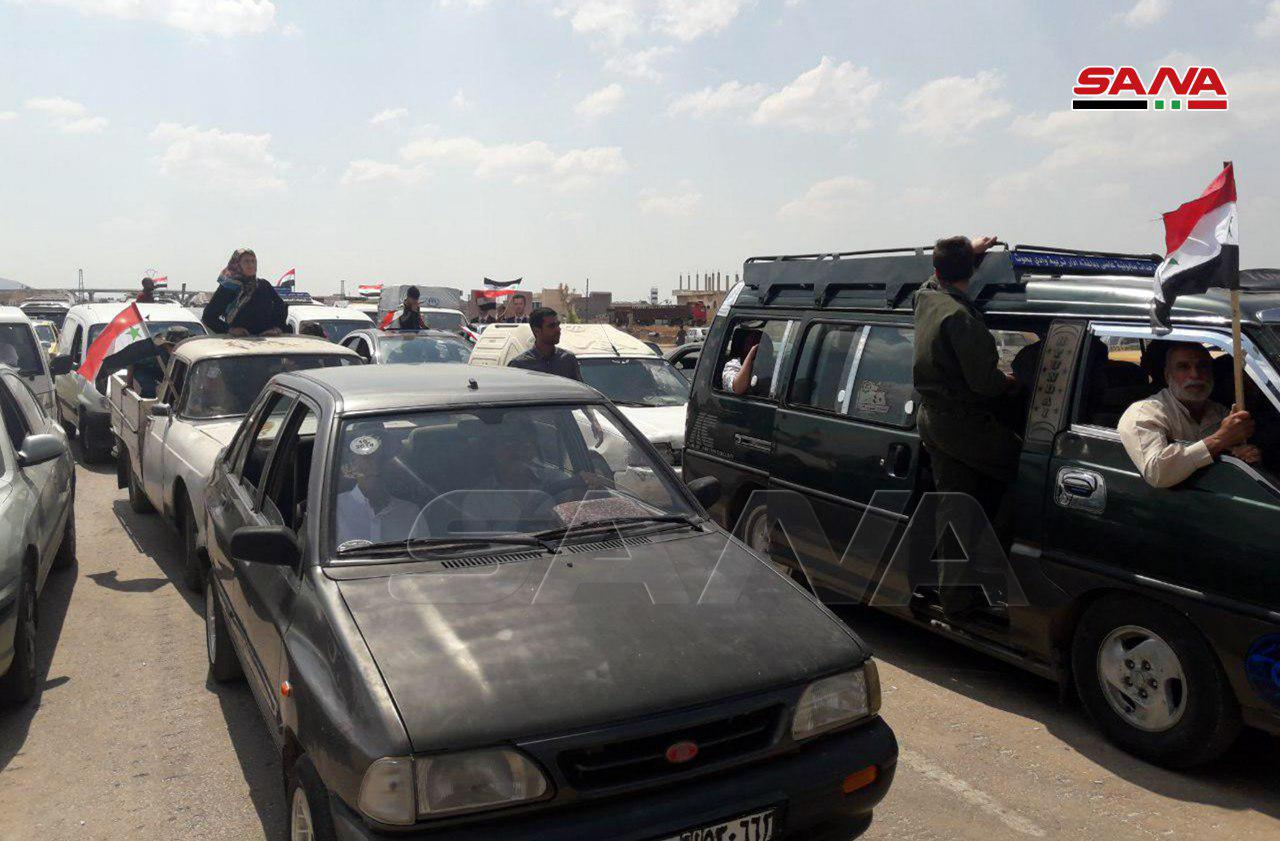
(885, 277)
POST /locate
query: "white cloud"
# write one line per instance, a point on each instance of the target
(212, 158)
(683, 203)
(612, 20)
(688, 20)
(68, 116)
(830, 97)
(641, 64)
(291, 30)
(520, 162)
(202, 17)
(362, 171)
(1269, 26)
(729, 96)
(950, 108)
(840, 195)
(602, 102)
(460, 101)
(388, 115)
(5, 116)
(1145, 13)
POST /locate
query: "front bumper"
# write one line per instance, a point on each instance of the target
(804, 787)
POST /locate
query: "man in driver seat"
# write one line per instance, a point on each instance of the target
(1180, 430)
(368, 511)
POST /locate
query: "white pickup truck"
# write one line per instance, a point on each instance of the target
(166, 445)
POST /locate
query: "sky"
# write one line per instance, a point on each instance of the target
(625, 141)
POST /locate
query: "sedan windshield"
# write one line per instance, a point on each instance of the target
(18, 349)
(426, 484)
(450, 321)
(334, 331)
(636, 382)
(418, 349)
(219, 388)
(154, 328)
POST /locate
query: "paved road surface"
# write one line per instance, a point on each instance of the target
(129, 740)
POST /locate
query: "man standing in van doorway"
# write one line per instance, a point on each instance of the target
(957, 375)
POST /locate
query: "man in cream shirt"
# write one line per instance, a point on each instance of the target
(1180, 430)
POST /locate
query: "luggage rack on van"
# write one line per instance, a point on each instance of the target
(885, 277)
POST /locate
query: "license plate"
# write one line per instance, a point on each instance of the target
(757, 827)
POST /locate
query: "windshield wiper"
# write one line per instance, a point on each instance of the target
(615, 523)
(401, 547)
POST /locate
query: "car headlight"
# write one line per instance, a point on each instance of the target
(386, 793)
(474, 780)
(837, 700)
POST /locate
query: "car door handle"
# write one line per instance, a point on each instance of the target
(897, 460)
(1084, 490)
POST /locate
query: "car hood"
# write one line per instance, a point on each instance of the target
(220, 431)
(660, 424)
(551, 645)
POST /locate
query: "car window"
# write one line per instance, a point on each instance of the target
(74, 349)
(882, 389)
(45, 332)
(636, 382)
(285, 501)
(31, 411)
(450, 321)
(258, 444)
(177, 379)
(154, 328)
(15, 426)
(334, 330)
(227, 387)
(775, 339)
(824, 377)
(421, 349)
(686, 362)
(20, 350)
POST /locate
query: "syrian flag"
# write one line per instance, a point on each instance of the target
(288, 279)
(495, 284)
(370, 290)
(1202, 247)
(160, 282)
(390, 317)
(124, 342)
(492, 294)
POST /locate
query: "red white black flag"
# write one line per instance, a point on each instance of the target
(1202, 247)
(502, 284)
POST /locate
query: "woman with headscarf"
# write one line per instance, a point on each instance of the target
(245, 304)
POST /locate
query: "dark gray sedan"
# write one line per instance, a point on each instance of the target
(461, 623)
(408, 347)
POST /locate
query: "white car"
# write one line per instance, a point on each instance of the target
(650, 392)
(167, 444)
(22, 349)
(336, 322)
(80, 406)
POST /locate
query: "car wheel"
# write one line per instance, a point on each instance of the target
(756, 533)
(92, 454)
(192, 566)
(138, 501)
(66, 557)
(1152, 683)
(224, 667)
(19, 683)
(309, 815)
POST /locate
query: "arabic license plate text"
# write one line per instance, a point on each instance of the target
(757, 827)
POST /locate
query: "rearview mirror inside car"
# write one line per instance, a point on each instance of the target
(274, 545)
(60, 365)
(706, 490)
(39, 448)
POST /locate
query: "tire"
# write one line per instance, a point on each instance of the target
(306, 799)
(138, 502)
(224, 667)
(18, 684)
(66, 557)
(92, 454)
(755, 532)
(1152, 683)
(193, 575)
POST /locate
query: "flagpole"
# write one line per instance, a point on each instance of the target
(1237, 344)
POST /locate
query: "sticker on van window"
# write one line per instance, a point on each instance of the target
(1262, 665)
(872, 399)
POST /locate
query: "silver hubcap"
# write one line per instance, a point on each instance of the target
(1142, 679)
(210, 622)
(758, 533)
(300, 819)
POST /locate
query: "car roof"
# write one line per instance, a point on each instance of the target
(377, 388)
(13, 315)
(583, 340)
(103, 313)
(205, 347)
(379, 333)
(316, 312)
(1025, 280)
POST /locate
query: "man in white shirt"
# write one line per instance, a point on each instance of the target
(1180, 430)
(368, 511)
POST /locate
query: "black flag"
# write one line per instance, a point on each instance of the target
(497, 284)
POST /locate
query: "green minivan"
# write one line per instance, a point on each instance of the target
(1160, 606)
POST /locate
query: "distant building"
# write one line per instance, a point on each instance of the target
(703, 293)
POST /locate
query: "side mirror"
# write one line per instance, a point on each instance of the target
(39, 448)
(274, 545)
(706, 490)
(60, 365)
(160, 410)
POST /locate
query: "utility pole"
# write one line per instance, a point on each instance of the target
(80, 286)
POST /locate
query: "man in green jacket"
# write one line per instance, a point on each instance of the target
(957, 375)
